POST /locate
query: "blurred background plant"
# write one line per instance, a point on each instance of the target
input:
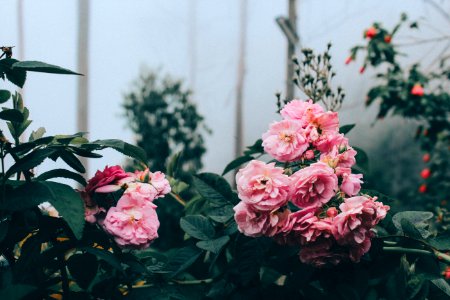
(419, 94)
(165, 120)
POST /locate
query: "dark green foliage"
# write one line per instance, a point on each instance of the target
(165, 120)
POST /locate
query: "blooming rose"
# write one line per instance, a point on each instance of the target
(358, 216)
(255, 223)
(313, 186)
(326, 142)
(157, 180)
(263, 186)
(141, 191)
(285, 140)
(351, 184)
(302, 111)
(339, 157)
(133, 222)
(110, 175)
(304, 226)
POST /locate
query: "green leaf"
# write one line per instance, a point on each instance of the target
(37, 66)
(236, 163)
(70, 159)
(16, 76)
(346, 128)
(30, 161)
(124, 148)
(4, 96)
(83, 268)
(256, 148)
(214, 245)
(441, 242)
(221, 214)
(182, 259)
(420, 220)
(37, 134)
(105, 255)
(12, 115)
(16, 291)
(66, 201)
(362, 160)
(84, 152)
(442, 285)
(173, 164)
(214, 188)
(409, 229)
(62, 173)
(4, 225)
(198, 227)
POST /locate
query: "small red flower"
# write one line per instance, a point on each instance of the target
(417, 90)
(387, 39)
(423, 188)
(348, 60)
(425, 173)
(371, 32)
(426, 157)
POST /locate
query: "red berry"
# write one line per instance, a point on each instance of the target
(446, 273)
(423, 188)
(371, 32)
(425, 132)
(426, 157)
(387, 39)
(417, 90)
(425, 173)
(362, 69)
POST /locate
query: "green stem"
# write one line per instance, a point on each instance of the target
(178, 198)
(435, 253)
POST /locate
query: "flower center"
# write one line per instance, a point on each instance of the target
(286, 137)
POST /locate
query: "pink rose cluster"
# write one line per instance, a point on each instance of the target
(131, 220)
(314, 200)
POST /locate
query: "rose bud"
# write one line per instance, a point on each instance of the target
(426, 157)
(417, 90)
(387, 39)
(423, 188)
(425, 173)
(371, 32)
(332, 212)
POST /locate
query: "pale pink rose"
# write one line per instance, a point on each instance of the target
(157, 180)
(351, 184)
(313, 186)
(302, 111)
(255, 223)
(322, 253)
(141, 191)
(327, 122)
(358, 216)
(338, 158)
(326, 142)
(303, 227)
(133, 222)
(109, 176)
(262, 185)
(285, 140)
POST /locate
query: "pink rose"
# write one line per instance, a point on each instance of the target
(327, 122)
(326, 142)
(313, 186)
(339, 157)
(285, 140)
(255, 223)
(322, 253)
(303, 227)
(358, 216)
(110, 175)
(141, 191)
(133, 222)
(157, 180)
(351, 184)
(303, 111)
(263, 186)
